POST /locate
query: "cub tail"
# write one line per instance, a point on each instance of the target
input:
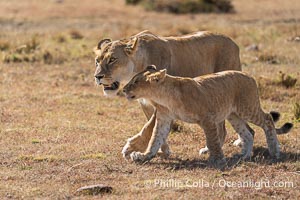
(285, 128)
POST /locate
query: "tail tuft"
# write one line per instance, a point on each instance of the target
(275, 115)
(285, 128)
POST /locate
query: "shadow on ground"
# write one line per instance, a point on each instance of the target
(260, 156)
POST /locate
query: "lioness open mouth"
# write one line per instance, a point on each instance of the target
(114, 86)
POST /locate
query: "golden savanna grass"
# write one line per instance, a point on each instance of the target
(58, 132)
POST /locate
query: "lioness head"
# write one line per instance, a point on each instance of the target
(114, 63)
(141, 85)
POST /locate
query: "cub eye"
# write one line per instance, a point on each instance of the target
(112, 59)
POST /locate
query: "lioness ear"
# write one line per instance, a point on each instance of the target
(151, 67)
(102, 42)
(131, 46)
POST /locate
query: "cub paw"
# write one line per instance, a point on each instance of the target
(219, 163)
(138, 157)
(203, 150)
(163, 154)
(244, 157)
(237, 142)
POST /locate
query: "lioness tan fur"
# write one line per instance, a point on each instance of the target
(206, 100)
(189, 56)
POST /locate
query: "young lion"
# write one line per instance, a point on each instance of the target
(206, 100)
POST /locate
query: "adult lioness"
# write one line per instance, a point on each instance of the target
(189, 56)
(205, 100)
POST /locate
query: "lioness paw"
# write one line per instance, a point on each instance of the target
(126, 151)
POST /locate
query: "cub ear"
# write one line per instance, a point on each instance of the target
(151, 67)
(102, 42)
(157, 77)
(131, 46)
(162, 74)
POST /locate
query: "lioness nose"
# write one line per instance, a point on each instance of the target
(99, 76)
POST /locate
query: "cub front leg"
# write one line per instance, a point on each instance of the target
(165, 150)
(216, 157)
(221, 133)
(159, 137)
(149, 110)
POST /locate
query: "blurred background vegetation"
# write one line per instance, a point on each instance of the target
(185, 6)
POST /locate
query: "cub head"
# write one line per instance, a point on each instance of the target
(114, 63)
(143, 84)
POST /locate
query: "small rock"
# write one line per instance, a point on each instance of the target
(252, 47)
(94, 189)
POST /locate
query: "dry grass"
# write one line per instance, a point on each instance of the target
(297, 111)
(287, 80)
(76, 35)
(58, 133)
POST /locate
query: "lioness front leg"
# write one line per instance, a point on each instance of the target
(140, 141)
(159, 136)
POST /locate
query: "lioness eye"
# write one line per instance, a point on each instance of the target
(96, 62)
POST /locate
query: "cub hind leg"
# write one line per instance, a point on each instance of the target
(222, 133)
(238, 142)
(265, 121)
(246, 136)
